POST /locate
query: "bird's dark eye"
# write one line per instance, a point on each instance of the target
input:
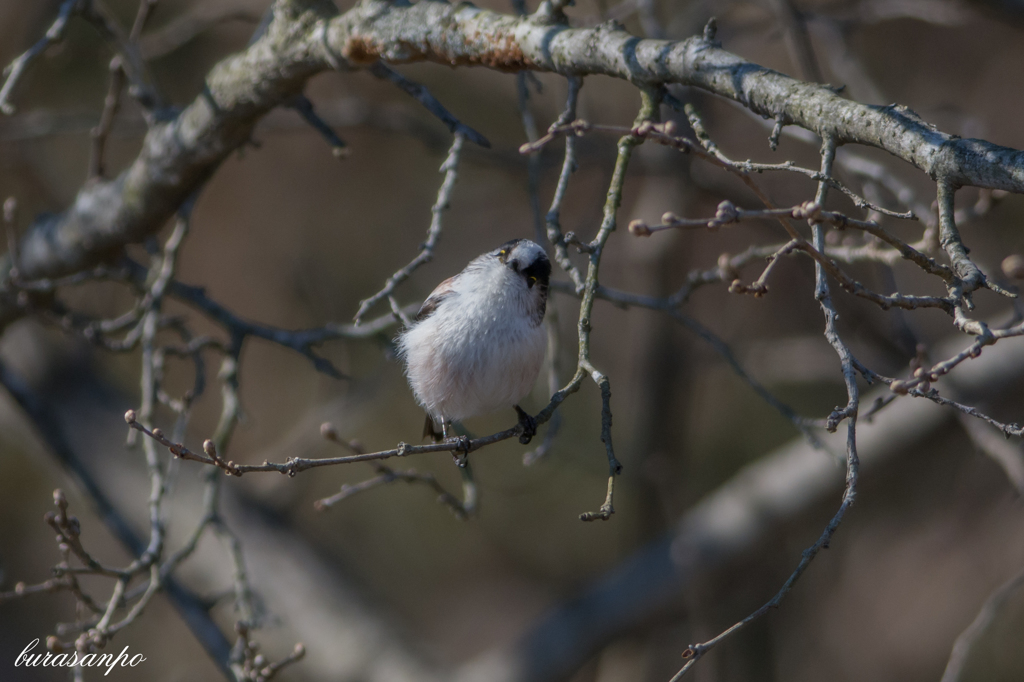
(514, 265)
(530, 281)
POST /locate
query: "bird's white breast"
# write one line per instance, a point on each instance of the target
(481, 349)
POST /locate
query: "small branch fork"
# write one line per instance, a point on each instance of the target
(552, 224)
(112, 102)
(54, 34)
(129, 61)
(101, 624)
(430, 103)
(462, 509)
(594, 249)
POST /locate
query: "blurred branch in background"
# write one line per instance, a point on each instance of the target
(989, 611)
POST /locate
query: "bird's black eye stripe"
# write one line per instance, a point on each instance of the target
(538, 272)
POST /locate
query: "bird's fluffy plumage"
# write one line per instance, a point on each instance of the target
(478, 342)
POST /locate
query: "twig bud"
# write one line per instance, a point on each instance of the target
(209, 448)
(670, 128)
(639, 228)
(726, 268)
(130, 416)
(711, 29)
(726, 212)
(810, 210)
(1013, 266)
(899, 387)
(328, 431)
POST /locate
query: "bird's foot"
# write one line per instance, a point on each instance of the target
(529, 425)
(460, 449)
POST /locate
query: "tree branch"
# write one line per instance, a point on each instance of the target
(305, 38)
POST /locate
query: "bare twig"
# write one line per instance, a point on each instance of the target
(450, 168)
(113, 99)
(1008, 456)
(304, 107)
(462, 509)
(648, 113)
(430, 103)
(54, 34)
(554, 228)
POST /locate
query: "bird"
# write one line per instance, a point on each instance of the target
(478, 342)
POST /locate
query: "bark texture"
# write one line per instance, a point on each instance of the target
(305, 38)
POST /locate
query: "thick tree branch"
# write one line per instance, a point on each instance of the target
(305, 38)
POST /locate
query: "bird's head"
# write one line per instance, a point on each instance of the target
(528, 260)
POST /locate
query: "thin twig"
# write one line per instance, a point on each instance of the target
(554, 228)
(423, 96)
(112, 101)
(1008, 456)
(54, 34)
(301, 104)
(450, 168)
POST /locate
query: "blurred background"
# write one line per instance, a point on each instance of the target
(288, 235)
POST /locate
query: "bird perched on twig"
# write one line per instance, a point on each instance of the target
(477, 343)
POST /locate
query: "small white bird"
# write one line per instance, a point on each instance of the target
(477, 343)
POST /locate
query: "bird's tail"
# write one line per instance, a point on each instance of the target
(429, 429)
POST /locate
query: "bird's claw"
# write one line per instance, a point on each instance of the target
(528, 424)
(460, 449)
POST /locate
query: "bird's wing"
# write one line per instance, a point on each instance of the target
(443, 290)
